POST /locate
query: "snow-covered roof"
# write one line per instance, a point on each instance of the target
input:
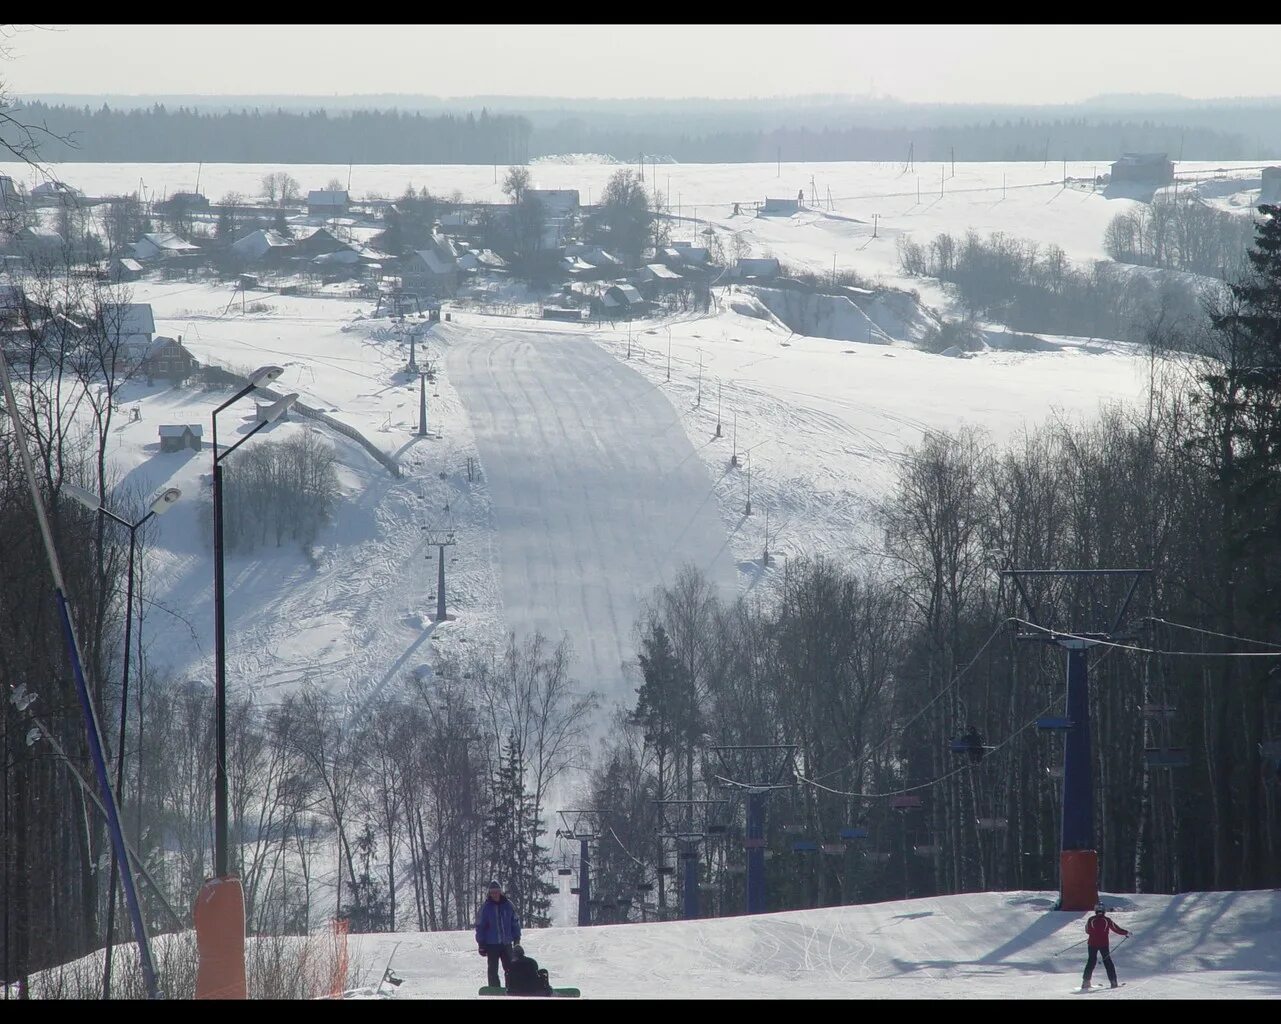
(129, 318)
(625, 292)
(167, 241)
(325, 197)
(256, 243)
(129, 264)
(55, 188)
(662, 273)
(178, 429)
(757, 266)
(435, 263)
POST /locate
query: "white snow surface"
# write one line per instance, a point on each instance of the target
(599, 476)
(596, 491)
(1216, 945)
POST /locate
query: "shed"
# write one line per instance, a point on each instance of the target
(755, 268)
(780, 207)
(174, 437)
(1143, 168)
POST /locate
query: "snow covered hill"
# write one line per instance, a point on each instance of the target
(1218, 945)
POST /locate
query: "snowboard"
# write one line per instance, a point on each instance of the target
(563, 993)
(1096, 988)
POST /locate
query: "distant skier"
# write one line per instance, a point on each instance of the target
(497, 928)
(524, 978)
(1097, 929)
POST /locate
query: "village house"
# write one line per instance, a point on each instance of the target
(167, 359)
(318, 243)
(163, 245)
(757, 269)
(262, 246)
(433, 270)
(326, 203)
(55, 192)
(1270, 186)
(1143, 168)
(123, 269)
(780, 207)
(622, 300)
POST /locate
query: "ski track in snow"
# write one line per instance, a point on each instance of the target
(597, 495)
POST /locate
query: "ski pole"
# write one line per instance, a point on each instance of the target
(1074, 945)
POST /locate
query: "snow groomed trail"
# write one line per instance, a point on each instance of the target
(598, 495)
(1220, 945)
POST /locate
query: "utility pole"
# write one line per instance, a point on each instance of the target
(689, 823)
(669, 353)
(953, 161)
(747, 509)
(422, 404)
(1078, 861)
(733, 459)
(875, 221)
(758, 770)
(718, 408)
(585, 828)
(441, 538)
(942, 173)
(698, 404)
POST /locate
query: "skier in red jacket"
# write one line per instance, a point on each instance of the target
(1097, 929)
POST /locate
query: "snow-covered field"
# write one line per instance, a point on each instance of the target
(976, 945)
(590, 491)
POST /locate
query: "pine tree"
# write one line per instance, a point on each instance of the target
(513, 834)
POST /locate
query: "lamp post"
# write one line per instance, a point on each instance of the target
(159, 506)
(270, 415)
(220, 906)
(669, 353)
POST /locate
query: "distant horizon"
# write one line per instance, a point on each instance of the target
(957, 64)
(779, 99)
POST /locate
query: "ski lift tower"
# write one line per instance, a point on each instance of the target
(1078, 861)
(441, 536)
(689, 822)
(758, 770)
(585, 827)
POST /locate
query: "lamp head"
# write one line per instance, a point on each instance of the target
(165, 500)
(86, 497)
(278, 409)
(265, 375)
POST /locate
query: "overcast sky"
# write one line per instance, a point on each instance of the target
(974, 63)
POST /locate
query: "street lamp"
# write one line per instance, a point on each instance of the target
(269, 415)
(160, 505)
(221, 902)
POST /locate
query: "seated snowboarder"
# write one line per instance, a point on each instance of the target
(524, 977)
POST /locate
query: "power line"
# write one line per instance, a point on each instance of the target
(933, 782)
(1211, 632)
(1151, 650)
(955, 679)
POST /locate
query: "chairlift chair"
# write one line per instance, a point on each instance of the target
(991, 824)
(905, 802)
(878, 856)
(926, 849)
(575, 891)
(564, 871)
(832, 849)
(1166, 757)
(1053, 724)
(804, 846)
(666, 869)
(854, 832)
(793, 830)
(1157, 710)
(1054, 771)
(644, 886)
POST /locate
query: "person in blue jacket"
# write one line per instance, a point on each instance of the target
(497, 929)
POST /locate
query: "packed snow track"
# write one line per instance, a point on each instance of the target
(598, 495)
